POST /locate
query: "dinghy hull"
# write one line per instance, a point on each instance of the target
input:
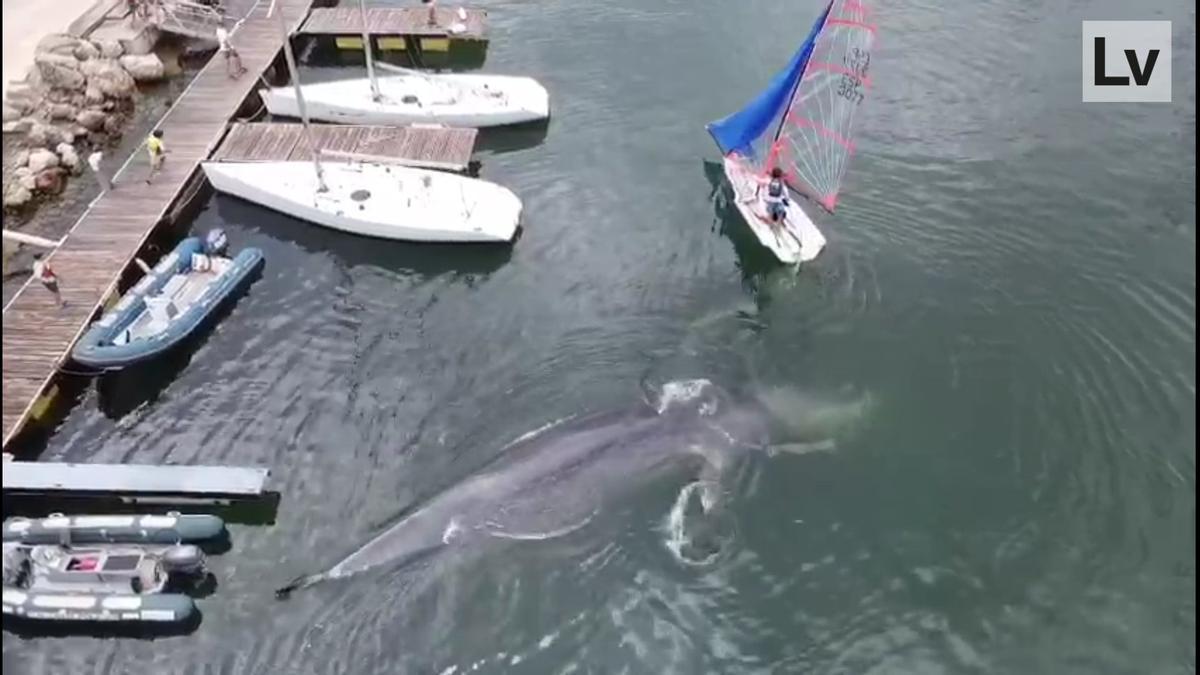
(455, 100)
(796, 240)
(77, 607)
(172, 528)
(102, 346)
(377, 200)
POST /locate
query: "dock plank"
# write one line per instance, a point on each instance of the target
(398, 22)
(51, 477)
(258, 142)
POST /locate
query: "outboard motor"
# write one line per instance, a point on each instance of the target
(215, 242)
(183, 559)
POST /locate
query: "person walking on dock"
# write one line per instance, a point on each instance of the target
(94, 162)
(233, 60)
(432, 11)
(45, 274)
(158, 151)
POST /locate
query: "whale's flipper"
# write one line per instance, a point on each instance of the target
(711, 480)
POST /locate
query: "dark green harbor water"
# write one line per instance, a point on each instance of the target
(1009, 286)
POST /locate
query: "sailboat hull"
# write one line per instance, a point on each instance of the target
(451, 99)
(796, 240)
(377, 200)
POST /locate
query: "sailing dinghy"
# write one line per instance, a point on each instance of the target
(411, 96)
(802, 124)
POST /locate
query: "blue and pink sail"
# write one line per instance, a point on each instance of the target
(802, 121)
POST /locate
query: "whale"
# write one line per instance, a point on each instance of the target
(555, 480)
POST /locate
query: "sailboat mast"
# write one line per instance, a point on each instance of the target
(292, 70)
(366, 40)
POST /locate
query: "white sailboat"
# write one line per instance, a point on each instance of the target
(376, 200)
(459, 100)
(369, 196)
(411, 96)
(801, 123)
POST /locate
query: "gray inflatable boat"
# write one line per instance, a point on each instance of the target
(172, 528)
(107, 583)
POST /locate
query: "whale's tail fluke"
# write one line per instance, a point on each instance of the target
(296, 584)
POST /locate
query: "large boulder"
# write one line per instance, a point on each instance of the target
(92, 120)
(108, 77)
(40, 135)
(61, 111)
(50, 180)
(26, 179)
(60, 72)
(18, 90)
(16, 196)
(42, 159)
(57, 43)
(46, 135)
(86, 50)
(67, 156)
(143, 68)
(11, 114)
(21, 159)
(112, 126)
(22, 98)
(110, 49)
(21, 126)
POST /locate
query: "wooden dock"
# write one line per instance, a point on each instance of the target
(134, 480)
(397, 22)
(38, 334)
(434, 147)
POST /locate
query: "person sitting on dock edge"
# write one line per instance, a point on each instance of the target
(154, 146)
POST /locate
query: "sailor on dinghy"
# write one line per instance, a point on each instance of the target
(776, 197)
(802, 123)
